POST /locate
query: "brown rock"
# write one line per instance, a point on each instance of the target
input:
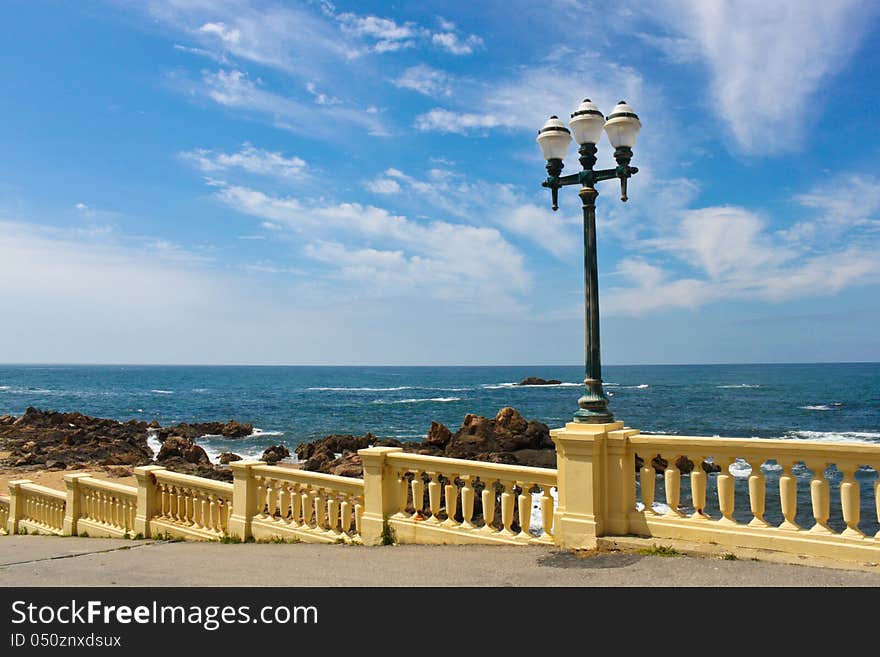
(228, 457)
(275, 453)
(438, 435)
(538, 381)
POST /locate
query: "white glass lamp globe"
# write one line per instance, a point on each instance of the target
(622, 126)
(554, 139)
(587, 123)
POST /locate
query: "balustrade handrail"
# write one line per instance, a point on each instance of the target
(348, 485)
(175, 478)
(108, 486)
(483, 470)
(797, 449)
(36, 489)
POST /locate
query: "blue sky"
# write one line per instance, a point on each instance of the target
(194, 181)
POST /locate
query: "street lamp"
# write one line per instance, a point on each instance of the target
(622, 127)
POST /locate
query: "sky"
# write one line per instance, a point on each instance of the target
(358, 183)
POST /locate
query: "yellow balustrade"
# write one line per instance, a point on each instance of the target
(190, 507)
(792, 459)
(462, 499)
(96, 507)
(35, 509)
(299, 505)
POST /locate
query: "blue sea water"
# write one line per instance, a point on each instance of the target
(833, 402)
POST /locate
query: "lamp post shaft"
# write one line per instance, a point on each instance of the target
(594, 404)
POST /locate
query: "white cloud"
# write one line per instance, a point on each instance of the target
(387, 35)
(452, 43)
(383, 186)
(250, 159)
(733, 255)
(471, 263)
(426, 80)
(768, 59)
(526, 100)
(226, 35)
(234, 89)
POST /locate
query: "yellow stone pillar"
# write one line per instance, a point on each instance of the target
(620, 484)
(244, 498)
(381, 492)
(581, 466)
(73, 506)
(16, 504)
(146, 498)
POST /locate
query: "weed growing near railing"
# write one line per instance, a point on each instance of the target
(728, 556)
(388, 535)
(167, 537)
(22, 530)
(660, 551)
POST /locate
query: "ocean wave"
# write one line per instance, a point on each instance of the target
(823, 407)
(201, 389)
(5, 387)
(740, 385)
(361, 389)
(417, 401)
(641, 386)
(153, 442)
(260, 432)
(162, 392)
(835, 436)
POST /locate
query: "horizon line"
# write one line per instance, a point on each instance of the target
(98, 364)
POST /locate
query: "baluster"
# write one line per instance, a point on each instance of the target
(205, 511)
(129, 515)
(358, 513)
(402, 494)
(467, 504)
(333, 514)
(547, 511)
(698, 488)
(672, 479)
(451, 496)
(163, 500)
(788, 495)
(308, 507)
(285, 502)
(320, 510)
(271, 499)
(877, 496)
(726, 498)
(849, 501)
(648, 480)
(418, 494)
(345, 510)
(488, 500)
(820, 496)
(507, 508)
(757, 493)
(524, 502)
(178, 504)
(295, 505)
(224, 510)
(434, 496)
(210, 522)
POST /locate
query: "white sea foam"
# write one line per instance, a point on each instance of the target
(740, 385)
(835, 436)
(260, 432)
(823, 407)
(162, 392)
(153, 442)
(361, 389)
(417, 401)
(200, 389)
(5, 387)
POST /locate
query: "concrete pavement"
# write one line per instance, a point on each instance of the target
(55, 561)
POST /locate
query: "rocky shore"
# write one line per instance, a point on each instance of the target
(49, 440)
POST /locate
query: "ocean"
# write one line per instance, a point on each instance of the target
(288, 405)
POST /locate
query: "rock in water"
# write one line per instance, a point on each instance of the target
(538, 381)
(228, 457)
(275, 453)
(183, 448)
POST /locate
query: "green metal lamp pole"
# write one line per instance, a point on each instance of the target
(622, 126)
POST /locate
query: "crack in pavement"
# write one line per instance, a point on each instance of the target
(80, 554)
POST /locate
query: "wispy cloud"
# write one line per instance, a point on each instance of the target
(235, 89)
(767, 60)
(401, 252)
(248, 158)
(426, 80)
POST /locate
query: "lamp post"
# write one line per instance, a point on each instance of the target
(587, 122)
